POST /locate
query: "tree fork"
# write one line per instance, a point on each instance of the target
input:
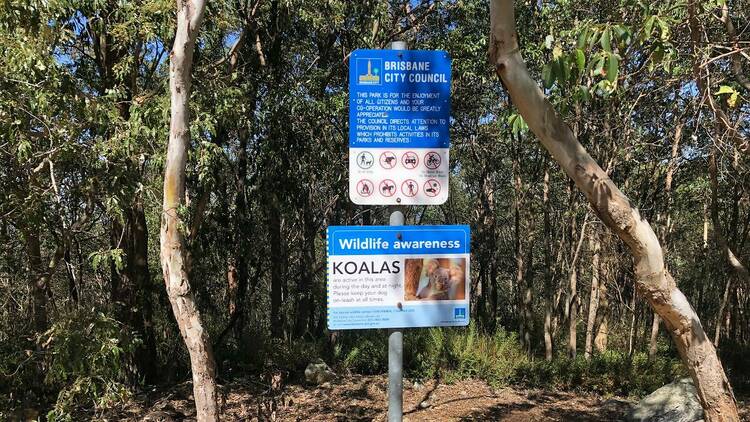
(652, 279)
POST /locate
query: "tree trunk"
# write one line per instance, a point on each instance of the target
(274, 226)
(652, 344)
(654, 282)
(633, 323)
(548, 279)
(173, 246)
(524, 289)
(131, 289)
(595, 246)
(307, 270)
(38, 280)
(239, 264)
(573, 313)
(573, 298)
(602, 316)
(137, 263)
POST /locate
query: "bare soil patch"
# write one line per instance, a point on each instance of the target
(363, 398)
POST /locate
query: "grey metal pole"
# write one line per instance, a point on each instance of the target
(396, 336)
(395, 356)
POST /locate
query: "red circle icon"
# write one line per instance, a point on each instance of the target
(387, 187)
(409, 187)
(432, 188)
(432, 160)
(364, 187)
(410, 160)
(388, 160)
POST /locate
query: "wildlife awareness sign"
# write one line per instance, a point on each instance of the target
(398, 276)
(399, 116)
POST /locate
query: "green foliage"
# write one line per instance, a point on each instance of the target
(84, 86)
(448, 354)
(84, 362)
(367, 355)
(611, 372)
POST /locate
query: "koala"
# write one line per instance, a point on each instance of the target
(439, 284)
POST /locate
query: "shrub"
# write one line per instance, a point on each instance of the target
(610, 372)
(368, 356)
(83, 358)
(459, 353)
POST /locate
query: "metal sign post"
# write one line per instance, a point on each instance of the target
(396, 336)
(399, 139)
(395, 356)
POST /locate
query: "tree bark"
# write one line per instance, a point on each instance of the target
(548, 279)
(595, 246)
(602, 316)
(523, 285)
(39, 278)
(573, 298)
(307, 268)
(652, 343)
(173, 245)
(633, 323)
(654, 282)
(277, 270)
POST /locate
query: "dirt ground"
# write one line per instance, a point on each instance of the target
(363, 398)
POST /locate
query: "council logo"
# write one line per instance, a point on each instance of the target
(368, 71)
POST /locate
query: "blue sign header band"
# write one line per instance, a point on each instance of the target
(399, 99)
(398, 240)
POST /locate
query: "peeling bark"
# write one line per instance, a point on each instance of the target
(653, 281)
(174, 254)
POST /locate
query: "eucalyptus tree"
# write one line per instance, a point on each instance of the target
(614, 208)
(174, 253)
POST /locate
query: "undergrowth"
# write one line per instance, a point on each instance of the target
(454, 354)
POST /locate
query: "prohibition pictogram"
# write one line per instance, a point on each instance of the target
(409, 187)
(432, 160)
(432, 187)
(388, 160)
(364, 160)
(410, 160)
(387, 187)
(364, 187)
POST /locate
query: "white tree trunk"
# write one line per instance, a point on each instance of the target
(652, 279)
(174, 257)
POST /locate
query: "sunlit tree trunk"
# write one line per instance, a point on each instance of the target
(595, 246)
(573, 298)
(602, 315)
(174, 259)
(654, 282)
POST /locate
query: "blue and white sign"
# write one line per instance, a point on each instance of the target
(399, 116)
(398, 276)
